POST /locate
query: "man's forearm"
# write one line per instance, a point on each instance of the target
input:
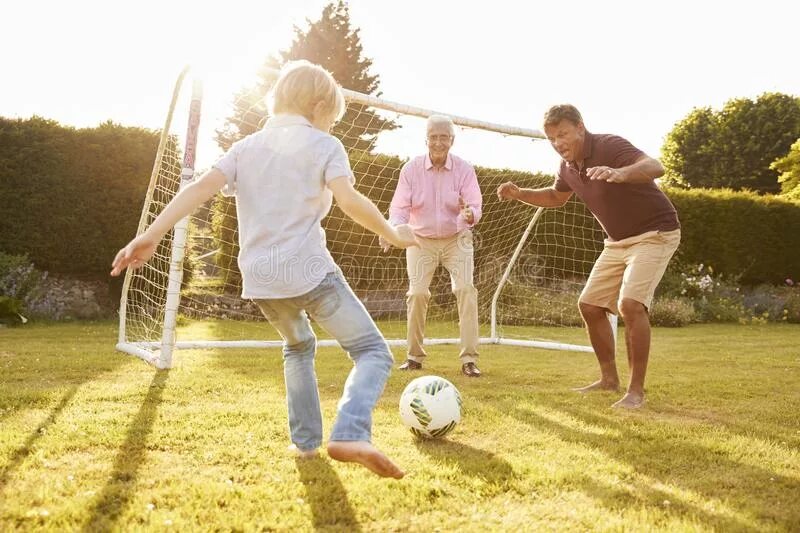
(540, 197)
(642, 171)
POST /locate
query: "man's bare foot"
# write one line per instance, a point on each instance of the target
(631, 400)
(302, 454)
(600, 385)
(365, 454)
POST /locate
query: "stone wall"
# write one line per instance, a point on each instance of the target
(59, 298)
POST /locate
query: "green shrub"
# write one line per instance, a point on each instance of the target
(554, 304)
(791, 307)
(672, 312)
(721, 309)
(11, 310)
(20, 283)
(773, 304)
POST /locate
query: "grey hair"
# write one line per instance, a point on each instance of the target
(435, 120)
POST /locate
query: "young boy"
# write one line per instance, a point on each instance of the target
(284, 178)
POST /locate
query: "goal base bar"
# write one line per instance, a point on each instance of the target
(140, 352)
(144, 350)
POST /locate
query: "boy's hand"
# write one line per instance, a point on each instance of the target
(403, 237)
(508, 191)
(384, 244)
(134, 255)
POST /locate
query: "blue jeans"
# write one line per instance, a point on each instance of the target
(334, 307)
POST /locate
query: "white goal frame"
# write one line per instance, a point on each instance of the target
(160, 353)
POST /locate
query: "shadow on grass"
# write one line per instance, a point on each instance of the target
(619, 498)
(469, 461)
(777, 431)
(24, 451)
(326, 495)
(39, 372)
(676, 462)
(118, 490)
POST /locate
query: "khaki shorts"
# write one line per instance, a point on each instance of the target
(630, 268)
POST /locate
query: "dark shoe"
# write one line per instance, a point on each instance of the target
(470, 370)
(410, 365)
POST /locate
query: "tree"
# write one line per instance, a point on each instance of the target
(735, 146)
(334, 44)
(789, 166)
(688, 153)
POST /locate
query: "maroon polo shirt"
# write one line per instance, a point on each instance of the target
(623, 209)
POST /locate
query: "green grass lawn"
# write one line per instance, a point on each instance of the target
(91, 439)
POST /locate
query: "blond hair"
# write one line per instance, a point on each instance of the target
(301, 85)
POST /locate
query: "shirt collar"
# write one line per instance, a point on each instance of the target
(588, 144)
(448, 163)
(285, 119)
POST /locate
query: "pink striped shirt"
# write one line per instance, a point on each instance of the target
(426, 198)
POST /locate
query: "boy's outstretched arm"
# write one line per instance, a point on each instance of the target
(364, 212)
(137, 252)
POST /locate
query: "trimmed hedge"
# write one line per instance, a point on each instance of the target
(70, 198)
(755, 239)
(752, 238)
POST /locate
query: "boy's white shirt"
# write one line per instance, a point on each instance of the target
(279, 176)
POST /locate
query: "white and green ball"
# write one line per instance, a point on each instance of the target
(430, 407)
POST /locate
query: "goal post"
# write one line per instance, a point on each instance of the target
(166, 157)
(530, 264)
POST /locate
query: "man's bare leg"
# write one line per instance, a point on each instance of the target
(365, 454)
(637, 340)
(602, 338)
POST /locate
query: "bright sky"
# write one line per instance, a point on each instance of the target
(633, 68)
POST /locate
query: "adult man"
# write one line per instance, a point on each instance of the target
(439, 197)
(616, 182)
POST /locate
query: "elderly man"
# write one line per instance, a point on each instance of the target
(616, 182)
(439, 197)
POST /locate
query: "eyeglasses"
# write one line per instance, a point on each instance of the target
(439, 138)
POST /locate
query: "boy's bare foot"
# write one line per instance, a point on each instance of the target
(631, 400)
(302, 454)
(600, 385)
(365, 454)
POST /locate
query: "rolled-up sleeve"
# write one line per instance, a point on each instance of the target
(471, 193)
(560, 184)
(338, 165)
(400, 208)
(227, 165)
(625, 153)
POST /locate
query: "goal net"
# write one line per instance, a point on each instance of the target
(530, 264)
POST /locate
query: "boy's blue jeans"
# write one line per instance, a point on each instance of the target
(335, 307)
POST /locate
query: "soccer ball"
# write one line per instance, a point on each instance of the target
(430, 407)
